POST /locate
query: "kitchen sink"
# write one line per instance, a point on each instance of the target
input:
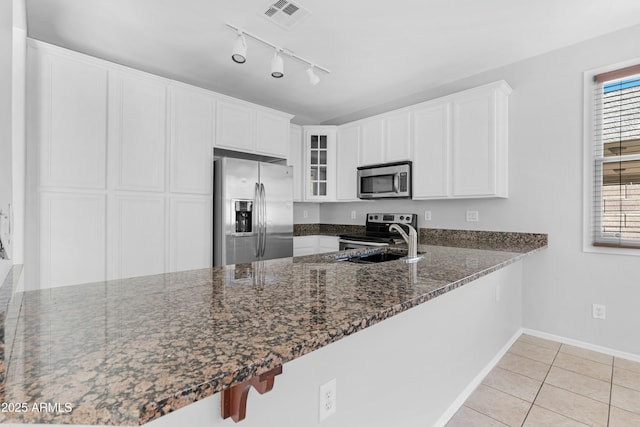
(377, 257)
(373, 258)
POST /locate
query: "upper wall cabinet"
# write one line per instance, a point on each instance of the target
(385, 138)
(241, 127)
(347, 163)
(139, 133)
(320, 163)
(460, 144)
(431, 151)
(295, 159)
(191, 118)
(479, 152)
(72, 123)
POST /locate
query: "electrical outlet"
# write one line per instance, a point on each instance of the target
(305, 213)
(353, 214)
(473, 216)
(427, 215)
(599, 311)
(327, 399)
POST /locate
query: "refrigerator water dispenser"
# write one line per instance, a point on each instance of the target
(244, 215)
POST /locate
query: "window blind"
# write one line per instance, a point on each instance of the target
(616, 143)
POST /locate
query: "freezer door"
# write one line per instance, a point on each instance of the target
(277, 182)
(236, 179)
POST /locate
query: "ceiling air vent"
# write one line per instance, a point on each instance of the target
(284, 13)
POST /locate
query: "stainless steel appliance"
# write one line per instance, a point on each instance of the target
(253, 211)
(387, 181)
(377, 231)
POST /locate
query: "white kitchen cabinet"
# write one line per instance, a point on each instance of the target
(431, 151)
(328, 244)
(371, 142)
(460, 144)
(138, 139)
(320, 163)
(191, 115)
(304, 245)
(347, 163)
(295, 160)
(234, 126)
(272, 134)
(479, 152)
(72, 238)
(386, 138)
(242, 127)
(72, 122)
(397, 141)
(137, 239)
(190, 232)
(314, 244)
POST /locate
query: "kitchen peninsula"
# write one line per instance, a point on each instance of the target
(129, 351)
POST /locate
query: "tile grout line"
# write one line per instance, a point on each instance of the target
(482, 413)
(541, 384)
(613, 368)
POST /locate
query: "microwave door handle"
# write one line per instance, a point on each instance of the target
(396, 182)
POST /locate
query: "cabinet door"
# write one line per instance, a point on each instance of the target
(191, 142)
(139, 138)
(295, 160)
(431, 145)
(372, 137)
(137, 246)
(397, 141)
(234, 126)
(272, 134)
(73, 118)
(474, 145)
(72, 239)
(190, 239)
(320, 162)
(347, 163)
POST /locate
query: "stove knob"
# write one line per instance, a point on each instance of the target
(401, 217)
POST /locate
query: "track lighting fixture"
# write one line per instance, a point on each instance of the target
(240, 49)
(277, 64)
(313, 77)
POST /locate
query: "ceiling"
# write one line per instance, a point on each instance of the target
(377, 51)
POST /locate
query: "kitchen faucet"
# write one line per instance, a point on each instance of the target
(411, 239)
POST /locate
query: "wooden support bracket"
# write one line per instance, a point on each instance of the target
(234, 399)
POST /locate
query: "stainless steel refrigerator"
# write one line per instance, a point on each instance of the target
(253, 211)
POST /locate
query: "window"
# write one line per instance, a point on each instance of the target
(616, 159)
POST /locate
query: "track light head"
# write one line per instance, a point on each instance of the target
(313, 77)
(240, 49)
(277, 65)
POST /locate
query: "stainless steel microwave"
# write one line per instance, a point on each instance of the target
(387, 181)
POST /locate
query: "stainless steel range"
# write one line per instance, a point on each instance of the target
(377, 230)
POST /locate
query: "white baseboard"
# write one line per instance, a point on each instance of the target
(464, 395)
(582, 344)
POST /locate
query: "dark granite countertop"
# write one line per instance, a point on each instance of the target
(125, 352)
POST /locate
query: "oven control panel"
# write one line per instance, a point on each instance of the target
(389, 218)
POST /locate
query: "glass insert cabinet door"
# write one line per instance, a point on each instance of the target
(318, 163)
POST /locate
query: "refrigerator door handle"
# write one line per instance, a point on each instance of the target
(256, 220)
(263, 216)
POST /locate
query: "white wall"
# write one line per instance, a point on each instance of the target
(6, 40)
(306, 213)
(545, 179)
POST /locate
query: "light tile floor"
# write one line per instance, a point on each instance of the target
(545, 383)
